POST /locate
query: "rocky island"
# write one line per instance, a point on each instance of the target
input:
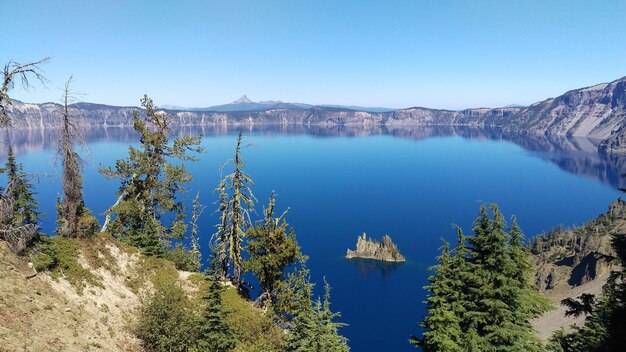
(369, 248)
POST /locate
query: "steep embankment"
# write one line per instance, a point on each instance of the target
(592, 112)
(571, 262)
(92, 302)
(597, 112)
(42, 313)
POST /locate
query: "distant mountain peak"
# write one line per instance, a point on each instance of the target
(243, 100)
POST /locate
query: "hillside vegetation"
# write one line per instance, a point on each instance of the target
(92, 302)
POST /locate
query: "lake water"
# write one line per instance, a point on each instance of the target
(338, 183)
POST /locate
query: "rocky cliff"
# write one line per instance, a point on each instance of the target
(570, 262)
(567, 258)
(597, 112)
(368, 248)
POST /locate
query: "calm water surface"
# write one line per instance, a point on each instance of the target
(411, 185)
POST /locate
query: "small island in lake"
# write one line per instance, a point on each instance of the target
(384, 250)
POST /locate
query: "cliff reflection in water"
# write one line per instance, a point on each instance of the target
(576, 155)
(367, 267)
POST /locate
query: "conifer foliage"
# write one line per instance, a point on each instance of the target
(214, 333)
(150, 184)
(236, 202)
(481, 297)
(272, 248)
(18, 207)
(313, 328)
(18, 215)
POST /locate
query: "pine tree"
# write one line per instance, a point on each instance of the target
(150, 184)
(166, 319)
(503, 300)
(481, 297)
(526, 301)
(25, 204)
(304, 328)
(18, 207)
(195, 245)
(221, 236)
(214, 333)
(272, 247)
(312, 325)
(443, 322)
(329, 339)
(235, 208)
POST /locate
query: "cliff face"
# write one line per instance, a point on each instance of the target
(572, 262)
(29, 116)
(368, 248)
(597, 112)
(567, 258)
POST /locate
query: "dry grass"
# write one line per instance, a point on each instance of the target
(51, 312)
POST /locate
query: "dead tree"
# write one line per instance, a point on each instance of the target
(22, 73)
(72, 205)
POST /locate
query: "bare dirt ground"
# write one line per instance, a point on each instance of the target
(555, 319)
(43, 314)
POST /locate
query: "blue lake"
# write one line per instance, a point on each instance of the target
(411, 184)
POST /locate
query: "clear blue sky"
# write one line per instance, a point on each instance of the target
(439, 53)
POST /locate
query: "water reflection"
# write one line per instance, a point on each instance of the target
(576, 155)
(366, 267)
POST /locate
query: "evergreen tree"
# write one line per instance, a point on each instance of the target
(443, 322)
(303, 333)
(272, 247)
(313, 328)
(167, 320)
(214, 333)
(503, 310)
(195, 245)
(150, 184)
(25, 205)
(481, 296)
(18, 207)
(236, 208)
(527, 302)
(221, 236)
(329, 338)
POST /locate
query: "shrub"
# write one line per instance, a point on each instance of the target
(167, 319)
(183, 258)
(59, 256)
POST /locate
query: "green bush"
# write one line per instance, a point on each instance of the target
(183, 258)
(59, 256)
(167, 319)
(87, 224)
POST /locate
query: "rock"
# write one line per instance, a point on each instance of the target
(384, 250)
(597, 112)
(567, 258)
